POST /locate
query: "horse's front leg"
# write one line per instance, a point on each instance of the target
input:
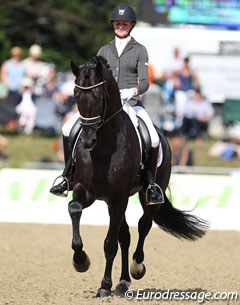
(81, 261)
(116, 212)
(124, 241)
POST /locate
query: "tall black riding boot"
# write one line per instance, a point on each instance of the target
(62, 188)
(154, 193)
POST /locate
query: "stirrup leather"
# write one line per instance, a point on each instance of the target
(65, 193)
(161, 201)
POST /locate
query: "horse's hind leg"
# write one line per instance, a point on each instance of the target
(124, 241)
(81, 261)
(138, 269)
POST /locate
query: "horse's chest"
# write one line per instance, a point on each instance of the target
(103, 168)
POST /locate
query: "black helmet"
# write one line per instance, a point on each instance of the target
(123, 12)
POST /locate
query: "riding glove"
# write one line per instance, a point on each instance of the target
(127, 94)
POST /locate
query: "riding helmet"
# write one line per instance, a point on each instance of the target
(123, 12)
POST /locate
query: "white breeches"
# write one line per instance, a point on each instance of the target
(140, 111)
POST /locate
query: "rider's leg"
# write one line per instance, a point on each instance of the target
(154, 192)
(68, 172)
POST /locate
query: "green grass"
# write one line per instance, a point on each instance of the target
(33, 148)
(202, 158)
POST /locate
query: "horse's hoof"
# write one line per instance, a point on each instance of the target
(83, 264)
(103, 293)
(122, 287)
(137, 270)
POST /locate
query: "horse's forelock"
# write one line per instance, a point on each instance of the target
(86, 71)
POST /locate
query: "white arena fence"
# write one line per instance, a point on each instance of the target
(25, 198)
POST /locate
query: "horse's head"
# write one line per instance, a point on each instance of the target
(91, 96)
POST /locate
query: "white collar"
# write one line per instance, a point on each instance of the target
(121, 43)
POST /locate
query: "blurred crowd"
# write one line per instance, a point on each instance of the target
(32, 94)
(176, 101)
(177, 105)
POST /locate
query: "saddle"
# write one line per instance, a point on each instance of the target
(145, 138)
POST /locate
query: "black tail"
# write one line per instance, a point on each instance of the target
(180, 224)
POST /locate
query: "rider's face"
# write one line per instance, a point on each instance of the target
(122, 27)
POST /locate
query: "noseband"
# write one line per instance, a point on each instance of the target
(90, 87)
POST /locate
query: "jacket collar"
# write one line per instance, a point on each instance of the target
(126, 49)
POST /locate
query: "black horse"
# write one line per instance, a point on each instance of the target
(107, 167)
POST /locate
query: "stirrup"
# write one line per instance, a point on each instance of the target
(161, 201)
(65, 193)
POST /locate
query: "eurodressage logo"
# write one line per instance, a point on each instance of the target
(198, 295)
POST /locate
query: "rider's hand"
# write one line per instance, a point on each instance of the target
(127, 94)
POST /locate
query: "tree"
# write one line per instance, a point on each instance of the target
(72, 29)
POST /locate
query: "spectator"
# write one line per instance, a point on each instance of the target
(3, 89)
(67, 89)
(188, 81)
(12, 72)
(153, 99)
(35, 68)
(151, 73)
(197, 114)
(188, 76)
(176, 61)
(26, 109)
(50, 89)
(47, 103)
(170, 85)
(182, 155)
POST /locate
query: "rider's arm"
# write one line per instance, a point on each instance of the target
(143, 82)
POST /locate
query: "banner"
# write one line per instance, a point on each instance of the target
(25, 197)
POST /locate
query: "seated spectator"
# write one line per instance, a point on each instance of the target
(26, 109)
(182, 155)
(197, 113)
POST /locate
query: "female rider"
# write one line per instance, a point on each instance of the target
(128, 61)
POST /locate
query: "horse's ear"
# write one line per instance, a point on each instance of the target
(74, 68)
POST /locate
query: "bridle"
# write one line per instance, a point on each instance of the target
(97, 119)
(100, 119)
